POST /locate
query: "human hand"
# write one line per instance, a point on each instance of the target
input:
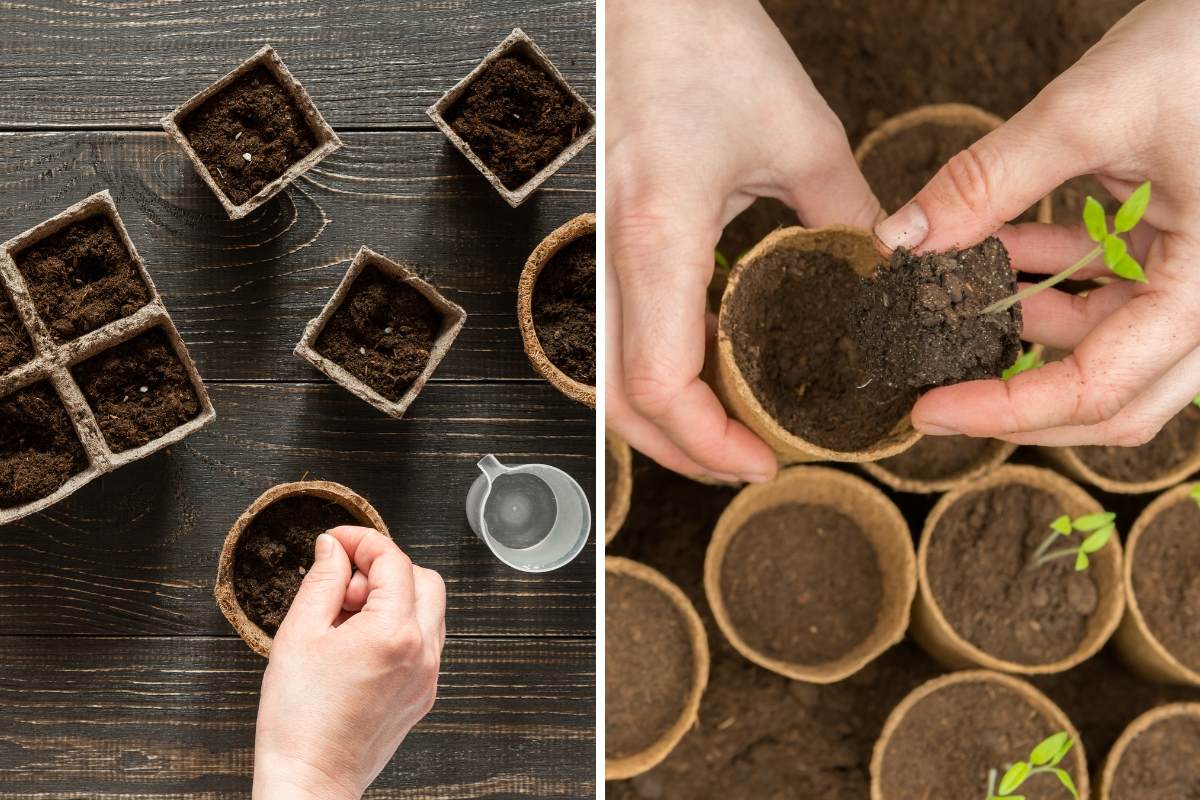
(708, 109)
(1128, 111)
(353, 668)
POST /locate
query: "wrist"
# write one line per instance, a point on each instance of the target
(286, 778)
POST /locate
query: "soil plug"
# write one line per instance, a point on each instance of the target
(1044, 758)
(1098, 527)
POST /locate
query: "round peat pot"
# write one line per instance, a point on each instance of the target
(812, 574)
(656, 667)
(944, 739)
(583, 225)
(317, 504)
(940, 464)
(786, 363)
(618, 483)
(1159, 637)
(981, 600)
(1157, 756)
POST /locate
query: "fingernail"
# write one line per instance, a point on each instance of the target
(934, 430)
(324, 546)
(907, 228)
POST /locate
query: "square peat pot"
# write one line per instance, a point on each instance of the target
(423, 325)
(288, 135)
(446, 113)
(72, 408)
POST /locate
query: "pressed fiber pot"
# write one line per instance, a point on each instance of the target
(996, 454)
(1076, 761)
(616, 500)
(1112, 764)
(254, 636)
(933, 631)
(636, 763)
(1067, 459)
(878, 519)
(538, 259)
(857, 248)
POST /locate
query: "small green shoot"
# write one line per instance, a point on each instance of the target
(1196, 401)
(1024, 363)
(1109, 244)
(1195, 493)
(721, 260)
(1046, 757)
(1098, 528)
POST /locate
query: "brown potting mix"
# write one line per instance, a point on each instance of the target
(517, 118)
(82, 278)
(938, 457)
(564, 309)
(39, 449)
(275, 552)
(1161, 763)
(383, 333)
(610, 478)
(1166, 581)
(16, 348)
(802, 583)
(249, 133)
(1177, 442)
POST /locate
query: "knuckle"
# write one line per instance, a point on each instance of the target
(968, 177)
(1100, 404)
(650, 395)
(1135, 434)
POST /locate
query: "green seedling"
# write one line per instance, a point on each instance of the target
(1195, 493)
(1196, 401)
(721, 260)
(1024, 363)
(1109, 244)
(1095, 529)
(1046, 757)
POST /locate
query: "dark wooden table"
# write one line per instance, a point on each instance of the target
(118, 676)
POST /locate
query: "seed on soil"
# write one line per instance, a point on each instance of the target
(564, 309)
(39, 449)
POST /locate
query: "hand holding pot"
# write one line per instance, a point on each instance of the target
(1127, 112)
(353, 668)
(715, 110)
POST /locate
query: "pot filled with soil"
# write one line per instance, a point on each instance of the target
(940, 463)
(1157, 756)
(618, 483)
(251, 133)
(1001, 586)
(955, 736)
(787, 363)
(382, 334)
(812, 574)
(269, 549)
(1160, 635)
(515, 118)
(556, 309)
(656, 667)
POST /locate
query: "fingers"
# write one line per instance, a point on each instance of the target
(1061, 320)
(319, 599)
(431, 606)
(356, 592)
(833, 191)
(389, 572)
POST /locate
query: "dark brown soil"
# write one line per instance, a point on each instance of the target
(517, 119)
(39, 450)
(935, 458)
(1177, 442)
(82, 278)
(648, 665)
(383, 333)
(139, 390)
(1166, 582)
(979, 573)
(919, 324)
(275, 552)
(789, 323)
(254, 115)
(564, 309)
(1161, 763)
(610, 479)
(802, 583)
(16, 348)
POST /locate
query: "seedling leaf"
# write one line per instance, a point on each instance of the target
(1195, 493)
(1196, 401)
(1129, 269)
(1094, 522)
(1081, 561)
(1015, 776)
(1062, 752)
(1062, 525)
(719, 257)
(1064, 778)
(1131, 211)
(1097, 540)
(1045, 752)
(1093, 219)
(1024, 363)
(1115, 249)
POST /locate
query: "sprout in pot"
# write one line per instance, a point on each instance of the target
(1045, 758)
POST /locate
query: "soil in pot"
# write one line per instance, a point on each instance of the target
(980, 576)
(249, 133)
(1167, 451)
(383, 333)
(1161, 763)
(138, 390)
(935, 458)
(517, 118)
(82, 278)
(564, 309)
(1166, 583)
(802, 583)
(39, 449)
(15, 346)
(275, 552)
(789, 322)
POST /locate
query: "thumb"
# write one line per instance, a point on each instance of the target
(319, 599)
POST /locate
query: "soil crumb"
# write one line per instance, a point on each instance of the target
(564, 309)
(39, 449)
(16, 348)
(1166, 582)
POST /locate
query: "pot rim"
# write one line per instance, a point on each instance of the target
(614, 517)
(1134, 729)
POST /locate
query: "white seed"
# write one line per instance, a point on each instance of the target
(362, 351)
(247, 156)
(144, 389)
(303, 570)
(387, 329)
(239, 135)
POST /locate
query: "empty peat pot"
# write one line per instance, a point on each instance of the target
(940, 463)
(982, 599)
(556, 308)
(618, 483)
(1159, 637)
(655, 667)
(787, 365)
(947, 735)
(812, 574)
(270, 548)
(1157, 757)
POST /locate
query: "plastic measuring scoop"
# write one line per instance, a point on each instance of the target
(533, 517)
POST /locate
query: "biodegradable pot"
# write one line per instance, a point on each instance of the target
(254, 636)
(1135, 642)
(53, 362)
(1120, 749)
(1076, 761)
(997, 453)
(327, 140)
(453, 319)
(616, 498)
(880, 522)
(857, 248)
(932, 630)
(637, 763)
(517, 41)
(1067, 459)
(581, 226)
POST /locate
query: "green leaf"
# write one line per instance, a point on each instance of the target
(1081, 561)
(1024, 363)
(1062, 753)
(1195, 493)
(1048, 749)
(1092, 522)
(1064, 778)
(1093, 219)
(1062, 525)
(1129, 269)
(1196, 401)
(1131, 211)
(719, 257)
(1013, 779)
(1097, 540)
(1114, 250)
